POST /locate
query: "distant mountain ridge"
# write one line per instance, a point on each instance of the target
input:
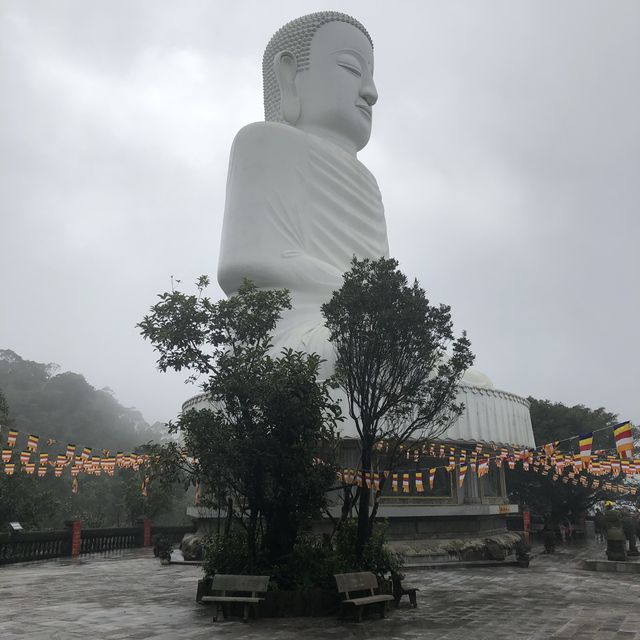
(65, 407)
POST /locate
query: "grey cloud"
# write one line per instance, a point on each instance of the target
(506, 144)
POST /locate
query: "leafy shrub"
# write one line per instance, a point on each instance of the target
(226, 555)
(376, 557)
(310, 566)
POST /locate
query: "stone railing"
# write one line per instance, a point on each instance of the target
(26, 546)
(34, 545)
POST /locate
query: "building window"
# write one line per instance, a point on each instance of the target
(442, 484)
(491, 483)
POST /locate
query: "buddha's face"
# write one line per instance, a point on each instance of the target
(337, 92)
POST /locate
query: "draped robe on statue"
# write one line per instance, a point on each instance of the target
(298, 209)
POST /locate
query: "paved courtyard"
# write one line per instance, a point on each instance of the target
(131, 596)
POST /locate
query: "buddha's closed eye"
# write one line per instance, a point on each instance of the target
(351, 68)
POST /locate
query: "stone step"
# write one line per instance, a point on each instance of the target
(631, 566)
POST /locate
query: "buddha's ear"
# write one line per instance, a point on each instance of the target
(286, 68)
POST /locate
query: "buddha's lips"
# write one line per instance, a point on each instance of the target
(365, 108)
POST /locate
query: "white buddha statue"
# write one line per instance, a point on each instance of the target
(299, 203)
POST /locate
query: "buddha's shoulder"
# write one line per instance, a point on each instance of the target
(260, 138)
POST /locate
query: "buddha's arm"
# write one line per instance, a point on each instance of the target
(263, 235)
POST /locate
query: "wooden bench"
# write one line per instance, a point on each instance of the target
(354, 585)
(400, 590)
(240, 586)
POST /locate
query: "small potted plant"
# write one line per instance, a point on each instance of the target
(162, 549)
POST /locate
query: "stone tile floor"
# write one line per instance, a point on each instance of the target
(130, 595)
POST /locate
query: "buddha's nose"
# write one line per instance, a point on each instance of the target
(368, 90)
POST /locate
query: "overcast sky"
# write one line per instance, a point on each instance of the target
(506, 143)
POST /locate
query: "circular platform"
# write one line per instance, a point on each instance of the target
(490, 415)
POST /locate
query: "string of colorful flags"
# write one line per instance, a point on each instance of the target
(38, 463)
(547, 460)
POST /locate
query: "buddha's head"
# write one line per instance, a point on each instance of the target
(318, 77)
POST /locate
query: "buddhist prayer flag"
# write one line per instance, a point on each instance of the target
(462, 473)
(44, 458)
(42, 471)
(405, 483)
(419, 485)
(12, 438)
(394, 482)
(24, 457)
(71, 450)
(6, 455)
(32, 442)
(86, 453)
(30, 468)
(550, 448)
(624, 440)
(57, 472)
(9, 468)
(432, 477)
(586, 444)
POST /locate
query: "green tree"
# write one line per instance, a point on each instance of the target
(263, 448)
(65, 407)
(555, 421)
(22, 498)
(398, 363)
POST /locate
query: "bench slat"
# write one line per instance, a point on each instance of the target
(369, 599)
(231, 599)
(229, 582)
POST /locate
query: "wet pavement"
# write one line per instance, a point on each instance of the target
(130, 595)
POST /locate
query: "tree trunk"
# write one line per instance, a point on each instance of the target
(227, 524)
(374, 511)
(363, 503)
(252, 533)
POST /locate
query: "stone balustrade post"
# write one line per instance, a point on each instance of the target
(146, 535)
(75, 528)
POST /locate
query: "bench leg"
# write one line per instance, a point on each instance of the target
(359, 610)
(217, 613)
(383, 608)
(245, 613)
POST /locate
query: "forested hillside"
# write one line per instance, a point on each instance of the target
(65, 407)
